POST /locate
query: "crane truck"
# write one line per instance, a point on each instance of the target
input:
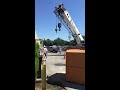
(75, 57)
(65, 18)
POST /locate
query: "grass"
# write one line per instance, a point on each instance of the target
(38, 86)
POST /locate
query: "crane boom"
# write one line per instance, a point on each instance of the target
(67, 21)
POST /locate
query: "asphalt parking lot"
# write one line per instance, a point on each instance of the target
(55, 63)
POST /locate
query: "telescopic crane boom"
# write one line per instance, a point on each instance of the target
(65, 18)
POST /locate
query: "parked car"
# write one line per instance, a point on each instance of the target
(52, 49)
(64, 48)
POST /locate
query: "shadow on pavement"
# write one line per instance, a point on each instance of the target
(59, 80)
(56, 79)
(60, 64)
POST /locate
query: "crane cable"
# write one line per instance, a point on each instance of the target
(50, 4)
(56, 24)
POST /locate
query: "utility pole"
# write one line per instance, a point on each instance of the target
(43, 72)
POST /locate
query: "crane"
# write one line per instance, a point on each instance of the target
(65, 18)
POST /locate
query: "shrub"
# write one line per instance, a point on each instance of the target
(36, 58)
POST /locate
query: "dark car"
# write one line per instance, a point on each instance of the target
(64, 48)
(52, 49)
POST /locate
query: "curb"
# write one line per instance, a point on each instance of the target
(39, 80)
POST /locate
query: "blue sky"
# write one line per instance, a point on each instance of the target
(45, 19)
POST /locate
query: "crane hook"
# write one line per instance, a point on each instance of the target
(59, 25)
(56, 29)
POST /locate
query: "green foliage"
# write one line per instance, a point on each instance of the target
(44, 42)
(36, 58)
(48, 42)
(66, 43)
(73, 42)
(59, 41)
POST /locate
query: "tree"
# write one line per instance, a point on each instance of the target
(73, 42)
(44, 42)
(62, 42)
(48, 42)
(66, 43)
(58, 41)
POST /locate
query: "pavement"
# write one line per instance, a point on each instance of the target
(55, 63)
(56, 70)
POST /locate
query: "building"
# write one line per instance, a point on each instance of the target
(37, 39)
